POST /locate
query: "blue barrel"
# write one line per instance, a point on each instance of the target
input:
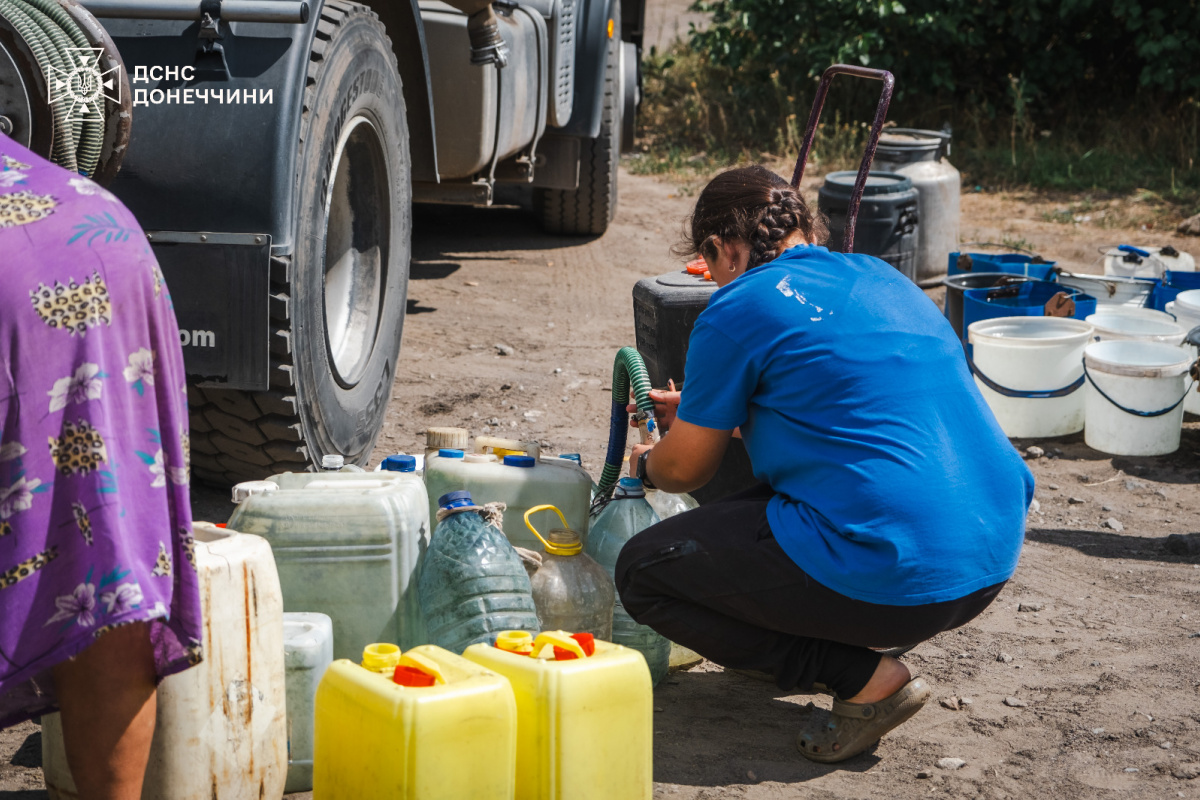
(1019, 300)
(1013, 263)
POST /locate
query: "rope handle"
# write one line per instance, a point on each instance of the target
(1135, 412)
(1022, 393)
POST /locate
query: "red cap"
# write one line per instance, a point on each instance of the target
(586, 641)
(411, 676)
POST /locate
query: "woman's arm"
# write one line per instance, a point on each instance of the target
(685, 459)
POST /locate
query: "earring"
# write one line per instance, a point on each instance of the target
(732, 267)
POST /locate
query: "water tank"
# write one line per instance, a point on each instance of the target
(887, 217)
(921, 155)
(664, 310)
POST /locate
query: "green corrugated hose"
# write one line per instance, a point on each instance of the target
(629, 371)
(51, 33)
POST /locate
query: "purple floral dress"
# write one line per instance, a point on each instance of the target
(95, 522)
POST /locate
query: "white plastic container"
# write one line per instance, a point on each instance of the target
(221, 728)
(521, 482)
(307, 653)
(1141, 376)
(1031, 354)
(1110, 290)
(1151, 266)
(348, 545)
(1139, 324)
(1186, 309)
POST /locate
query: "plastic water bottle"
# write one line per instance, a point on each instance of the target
(625, 516)
(570, 590)
(473, 584)
(667, 505)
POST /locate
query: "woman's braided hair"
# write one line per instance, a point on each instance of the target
(755, 205)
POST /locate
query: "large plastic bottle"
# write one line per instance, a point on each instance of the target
(473, 584)
(667, 505)
(625, 516)
(570, 590)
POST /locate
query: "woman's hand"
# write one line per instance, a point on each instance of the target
(634, 454)
(685, 459)
(666, 403)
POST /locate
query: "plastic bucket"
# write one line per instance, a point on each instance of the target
(1013, 263)
(1030, 370)
(1133, 399)
(957, 284)
(1023, 300)
(1186, 309)
(1173, 284)
(1111, 290)
(1140, 324)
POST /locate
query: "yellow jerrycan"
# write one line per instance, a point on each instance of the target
(420, 725)
(584, 715)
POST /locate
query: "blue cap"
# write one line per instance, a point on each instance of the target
(630, 487)
(578, 459)
(400, 463)
(455, 499)
(520, 461)
(447, 453)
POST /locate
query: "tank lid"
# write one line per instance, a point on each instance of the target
(400, 463)
(576, 457)
(332, 461)
(878, 183)
(682, 277)
(629, 487)
(437, 438)
(455, 499)
(446, 452)
(480, 458)
(247, 488)
(520, 461)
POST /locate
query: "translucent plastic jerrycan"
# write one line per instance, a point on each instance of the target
(307, 653)
(584, 724)
(436, 727)
(221, 724)
(571, 591)
(516, 474)
(348, 545)
(473, 584)
(626, 515)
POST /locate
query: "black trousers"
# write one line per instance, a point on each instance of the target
(714, 579)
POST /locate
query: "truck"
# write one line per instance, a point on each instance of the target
(272, 151)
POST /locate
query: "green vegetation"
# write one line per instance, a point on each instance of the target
(1073, 95)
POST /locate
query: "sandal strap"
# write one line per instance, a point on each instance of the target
(854, 710)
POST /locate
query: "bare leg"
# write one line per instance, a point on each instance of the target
(108, 705)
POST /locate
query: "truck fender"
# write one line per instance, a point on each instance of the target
(591, 49)
(402, 19)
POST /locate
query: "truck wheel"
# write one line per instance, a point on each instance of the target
(337, 305)
(588, 209)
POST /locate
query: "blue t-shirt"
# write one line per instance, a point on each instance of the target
(895, 484)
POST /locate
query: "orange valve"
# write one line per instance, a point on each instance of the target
(697, 267)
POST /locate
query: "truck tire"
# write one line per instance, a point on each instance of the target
(587, 210)
(338, 303)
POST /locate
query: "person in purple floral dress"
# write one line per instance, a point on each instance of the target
(99, 594)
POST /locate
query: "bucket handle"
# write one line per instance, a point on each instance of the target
(1021, 393)
(1194, 370)
(553, 549)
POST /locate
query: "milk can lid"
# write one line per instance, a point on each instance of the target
(520, 461)
(400, 463)
(455, 499)
(448, 453)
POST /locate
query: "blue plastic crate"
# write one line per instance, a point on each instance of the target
(1172, 284)
(1012, 263)
(1019, 300)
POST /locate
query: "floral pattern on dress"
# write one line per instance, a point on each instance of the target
(73, 307)
(100, 225)
(83, 521)
(14, 575)
(140, 371)
(77, 607)
(80, 450)
(84, 385)
(24, 208)
(162, 566)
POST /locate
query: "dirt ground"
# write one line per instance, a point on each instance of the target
(1104, 676)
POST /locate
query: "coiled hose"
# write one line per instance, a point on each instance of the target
(52, 35)
(629, 371)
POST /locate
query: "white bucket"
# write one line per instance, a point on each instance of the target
(1141, 324)
(1141, 376)
(1110, 290)
(1031, 354)
(1186, 308)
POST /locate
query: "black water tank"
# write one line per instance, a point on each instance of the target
(664, 311)
(887, 217)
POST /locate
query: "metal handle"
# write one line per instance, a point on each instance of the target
(231, 10)
(814, 116)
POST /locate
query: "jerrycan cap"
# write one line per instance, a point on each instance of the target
(400, 463)
(519, 642)
(248, 488)
(332, 461)
(446, 452)
(563, 541)
(576, 457)
(417, 670)
(380, 657)
(455, 499)
(629, 488)
(520, 461)
(480, 458)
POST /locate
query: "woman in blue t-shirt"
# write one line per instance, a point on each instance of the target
(891, 508)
